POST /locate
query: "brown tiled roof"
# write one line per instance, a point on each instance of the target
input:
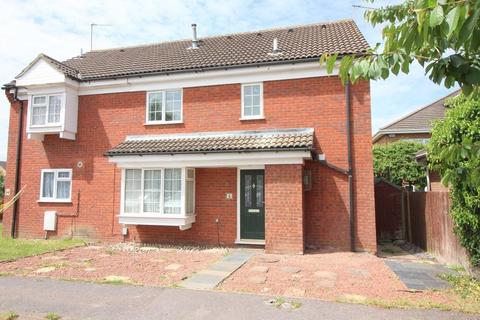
(214, 142)
(418, 121)
(306, 42)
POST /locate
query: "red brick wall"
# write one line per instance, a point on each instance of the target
(105, 120)
(284, 209)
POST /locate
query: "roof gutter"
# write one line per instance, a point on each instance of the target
(196, 70)
(124, 154)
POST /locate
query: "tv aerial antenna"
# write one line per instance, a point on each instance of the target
(92, 26)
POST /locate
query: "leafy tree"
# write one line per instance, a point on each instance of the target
(454, 152)
(443, 36)
(396, 163)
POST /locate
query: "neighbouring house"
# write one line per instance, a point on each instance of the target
(3, 168)
(414, 126)
(222, 140)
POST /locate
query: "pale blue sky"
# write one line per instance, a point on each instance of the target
(62, 28)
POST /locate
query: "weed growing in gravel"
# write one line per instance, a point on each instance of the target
(295, 304)
(52, 316)
(10, 315)
(57, 265)
(279, 301)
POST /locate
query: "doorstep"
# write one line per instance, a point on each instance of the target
(258, 242)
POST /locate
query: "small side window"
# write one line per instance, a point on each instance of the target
(56, 185)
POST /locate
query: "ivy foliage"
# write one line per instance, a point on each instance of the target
(454, 152)
(441, 35)
(395, 162)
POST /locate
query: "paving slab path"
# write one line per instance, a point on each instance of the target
(33, 298)
(419, 276)
(211, 277)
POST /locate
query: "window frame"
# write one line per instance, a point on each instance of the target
(55, 181)
(255, 117)
(161, 214)
(47, 106)
(164, 94)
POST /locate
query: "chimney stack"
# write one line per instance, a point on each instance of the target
(194, 38)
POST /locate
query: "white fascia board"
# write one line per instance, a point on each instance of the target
(382, 133)
(205, 78)
(211, 160)
(178, 80)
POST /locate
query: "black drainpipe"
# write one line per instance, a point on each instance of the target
(17, 162)
(351, 211)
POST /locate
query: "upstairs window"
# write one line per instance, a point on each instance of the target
(46, 110)
(164, 107)
(252, 101)
(56, 185)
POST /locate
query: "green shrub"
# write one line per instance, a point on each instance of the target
(454, 152)
(396, 163)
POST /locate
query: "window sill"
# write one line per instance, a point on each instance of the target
(54, 201)
(48, 125)
(252, 118)
(156, 220)
(156, 123)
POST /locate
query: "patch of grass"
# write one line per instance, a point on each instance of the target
(296, 304)
(456, 267)
(10, 315)
(279, 301)
(56, 265)
(17, 248)
(388, 250)
(114, 282)
(4, 274)
(52, 316)
(175, 285)
(454, 304)
(466, 286)
(110, 252)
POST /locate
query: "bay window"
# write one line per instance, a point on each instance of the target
(56, 185)
(45, 110)
(158, 191)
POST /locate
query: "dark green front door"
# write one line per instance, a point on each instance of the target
(252, 204)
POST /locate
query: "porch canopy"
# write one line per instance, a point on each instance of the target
(215, 149)
(158, 176)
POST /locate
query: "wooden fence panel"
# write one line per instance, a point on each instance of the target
(432, 227)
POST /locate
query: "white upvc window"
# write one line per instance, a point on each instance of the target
(56, 185)
(45, 110)
(164, 107)
(252, 101)
(158, 191)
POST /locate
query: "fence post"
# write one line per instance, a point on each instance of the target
(409, 215)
